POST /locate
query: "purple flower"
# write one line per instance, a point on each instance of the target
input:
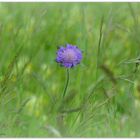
(69, 56)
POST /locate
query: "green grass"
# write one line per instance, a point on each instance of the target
(103, 96)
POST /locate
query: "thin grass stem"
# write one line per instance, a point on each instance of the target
(67, 83)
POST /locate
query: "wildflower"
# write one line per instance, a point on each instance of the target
(69, 56)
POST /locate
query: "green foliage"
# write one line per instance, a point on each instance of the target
(103, 96)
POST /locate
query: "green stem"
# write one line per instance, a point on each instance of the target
(67, 83)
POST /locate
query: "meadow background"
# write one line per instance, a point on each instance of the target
(103, 96)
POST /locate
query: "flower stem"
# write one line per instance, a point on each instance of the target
(67, 83)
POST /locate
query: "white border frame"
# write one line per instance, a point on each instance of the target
(69, 0)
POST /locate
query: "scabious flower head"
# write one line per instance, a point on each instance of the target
(69, 56)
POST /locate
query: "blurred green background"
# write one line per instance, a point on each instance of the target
(103, 96)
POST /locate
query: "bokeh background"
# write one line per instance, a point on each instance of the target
(103, 96)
